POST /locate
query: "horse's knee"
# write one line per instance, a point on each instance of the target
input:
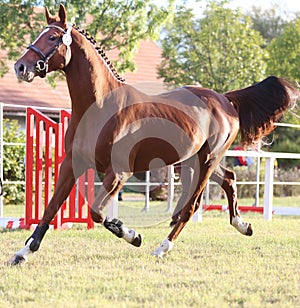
(98, 218)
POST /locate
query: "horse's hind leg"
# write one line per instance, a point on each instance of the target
(112, 183)
(227, 180)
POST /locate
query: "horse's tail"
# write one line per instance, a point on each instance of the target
(260, 105)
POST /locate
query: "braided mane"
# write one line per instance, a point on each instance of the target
(100, 52)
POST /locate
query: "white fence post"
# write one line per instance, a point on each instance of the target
(1, 155)
(257, 175)
(171, 176)
(197, 217)
(207, 193)
(268, 194)
(147, 192)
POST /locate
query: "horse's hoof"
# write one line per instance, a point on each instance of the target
(137, 241)
(249, 230)
(243, 227)
(163, 249)
(18, 260)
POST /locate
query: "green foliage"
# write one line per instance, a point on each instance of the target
(116, 24)
(284, 53)
(283, 60)
(269, 23)
(290, 137)
(219, 51)
(13, 162)
(18, 26)
(225, 50)
(286, 140)
(123, 24)
(287, 175)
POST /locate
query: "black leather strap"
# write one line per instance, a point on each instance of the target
(38, 51)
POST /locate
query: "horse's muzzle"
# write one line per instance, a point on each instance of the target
(23, 73)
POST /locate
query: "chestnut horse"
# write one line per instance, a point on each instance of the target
(118, 130)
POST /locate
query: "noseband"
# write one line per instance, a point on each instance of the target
(42, 65)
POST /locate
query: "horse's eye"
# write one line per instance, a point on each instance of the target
(52, 37)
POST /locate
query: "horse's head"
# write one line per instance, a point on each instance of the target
(50, 51)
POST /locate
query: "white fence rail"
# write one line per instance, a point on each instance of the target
(269, 174)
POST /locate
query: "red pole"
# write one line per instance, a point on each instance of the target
(29, 165)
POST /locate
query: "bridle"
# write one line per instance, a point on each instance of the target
(66, 39)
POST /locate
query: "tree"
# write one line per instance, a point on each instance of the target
(16, 27)
(219, 51)
(282, 56)
(269, 23)
(284, 52)
(284, 59)
(116, 24)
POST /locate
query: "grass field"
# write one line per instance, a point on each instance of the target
(136, 206)
(211, 265)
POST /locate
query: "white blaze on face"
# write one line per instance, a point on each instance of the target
(39, 36)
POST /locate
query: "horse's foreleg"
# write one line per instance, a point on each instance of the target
(112, 183)
(65, 184)
(227, 180)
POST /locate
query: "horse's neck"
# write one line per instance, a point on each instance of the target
(88, 77)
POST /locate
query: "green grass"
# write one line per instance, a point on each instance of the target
(211, 265)
(135, 207)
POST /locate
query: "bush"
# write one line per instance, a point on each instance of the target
(245, 174)
(13, 162)
(287, 175)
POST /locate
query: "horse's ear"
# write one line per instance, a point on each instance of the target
(50, 18)
(62, 14)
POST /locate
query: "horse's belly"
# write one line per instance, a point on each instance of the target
(134, 155)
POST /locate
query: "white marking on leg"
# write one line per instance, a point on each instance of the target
(129, 234)
(240, 225)
(163, 249)
(23, 252)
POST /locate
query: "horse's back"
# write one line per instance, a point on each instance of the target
(173, 126)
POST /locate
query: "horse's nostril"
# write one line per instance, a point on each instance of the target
(21, 68)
